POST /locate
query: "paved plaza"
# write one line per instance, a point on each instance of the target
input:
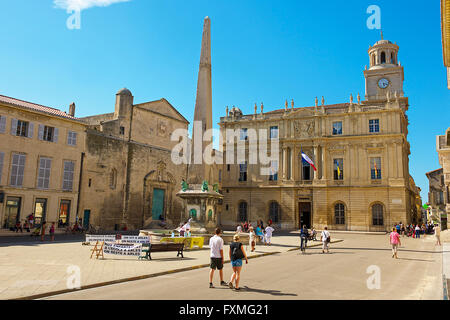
(279, 271)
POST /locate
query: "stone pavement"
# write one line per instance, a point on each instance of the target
(34, 267)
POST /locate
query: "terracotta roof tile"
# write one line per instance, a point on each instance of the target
(35, 107)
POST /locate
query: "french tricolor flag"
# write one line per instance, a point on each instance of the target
(307, 159)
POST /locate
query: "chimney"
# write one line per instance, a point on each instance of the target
(72, 109)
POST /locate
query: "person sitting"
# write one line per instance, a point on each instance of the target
(19, 226)
(259, 233)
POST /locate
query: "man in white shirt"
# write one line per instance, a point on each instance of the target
(216, 254)
(325, 244)
(269, 231)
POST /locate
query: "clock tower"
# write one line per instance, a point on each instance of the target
(385, 72)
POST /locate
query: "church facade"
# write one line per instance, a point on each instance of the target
(128, 178)
(359, 148)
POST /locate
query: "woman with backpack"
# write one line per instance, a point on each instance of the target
(237, 253)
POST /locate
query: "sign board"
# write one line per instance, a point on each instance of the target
(100, 238)
(135, 239)
(122, 249)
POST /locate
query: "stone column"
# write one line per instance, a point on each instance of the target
(324, 162)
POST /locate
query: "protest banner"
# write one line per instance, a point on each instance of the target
(122, 249)
(135, 239)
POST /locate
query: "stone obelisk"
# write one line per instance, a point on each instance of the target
(198, 169)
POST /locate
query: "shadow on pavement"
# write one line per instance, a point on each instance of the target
(271, 292)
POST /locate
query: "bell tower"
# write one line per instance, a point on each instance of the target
(385, 73)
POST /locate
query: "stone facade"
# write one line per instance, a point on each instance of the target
(40, 160)
(443, 149)
(367, 140)
(436, 194)
(129, 178)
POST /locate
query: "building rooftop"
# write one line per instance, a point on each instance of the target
(35, 107)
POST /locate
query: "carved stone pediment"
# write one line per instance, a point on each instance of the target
(160, 174)
(304, 128)
(301, 113)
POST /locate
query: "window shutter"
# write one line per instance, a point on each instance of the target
(2, 155)
(41, 132)
(2, 124)
(31, 130)
(55, 135)
(14, 127)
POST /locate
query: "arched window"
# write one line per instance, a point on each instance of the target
(383, 57)
(377, 215)
(274, 211)
(392, 58)
(243, 211)
(373, 60)
(339, 213)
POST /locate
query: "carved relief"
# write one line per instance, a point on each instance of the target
(304, 129)
(162, 128)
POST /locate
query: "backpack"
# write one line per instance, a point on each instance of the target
(236, 252)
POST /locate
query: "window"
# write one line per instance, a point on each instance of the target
(273, 170)
(377, 215)
(243, 171)
(288, 175)
(64, 213)
(392, 58)
(44, 173)
(243, 211)
(244, 135)
(274, 212)
(306, 170)
(69, 168)
(383, 57)
(226, 207)
(2, 156)
(228, 167)
(274, 132)
(339, 213)
(375, 168)
(337, 128)
(220, 175)
(122, 130)
(48, 133)
(374, 125)
(72, 138)
(17, 169)
(338, 169)
(22, 128)
(2, 124)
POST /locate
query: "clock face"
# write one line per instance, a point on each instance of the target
(383, 83)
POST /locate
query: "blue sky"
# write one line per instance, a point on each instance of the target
(262, 51)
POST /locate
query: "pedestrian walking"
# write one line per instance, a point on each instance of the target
(237, 253)
(43, 230)
(252, 239)
(326, 239)
(303, 238)
(417, 233)
(437, 234)
(216, 255)
(269, 230)
(394, 238)
(52, 231)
